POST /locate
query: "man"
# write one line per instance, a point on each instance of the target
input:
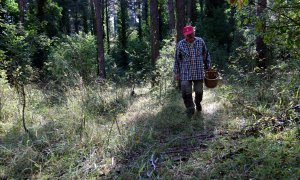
(191, 59)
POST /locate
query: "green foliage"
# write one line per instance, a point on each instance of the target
(10, 7)
(15, 55)
(139, 64)
(215, 30)
(71, 57)
(44, 16)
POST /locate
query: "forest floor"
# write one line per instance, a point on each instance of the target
(166, 141)
(108, 133)
(213, 144)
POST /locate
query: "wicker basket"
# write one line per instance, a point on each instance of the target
(211, 78)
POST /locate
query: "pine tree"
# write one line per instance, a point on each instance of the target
(100, 46)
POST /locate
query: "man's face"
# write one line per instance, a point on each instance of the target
(190, 37)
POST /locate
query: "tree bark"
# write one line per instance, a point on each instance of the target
(180, 19)
(145, 12)
(99, 29)
(122, 31)
(93, 19)
(107, 26)
(261, 47)
(154, 31)
(21, 4)
(201, 7)
(171, 14)
(189, 12)
(85, 16)
(154, 34)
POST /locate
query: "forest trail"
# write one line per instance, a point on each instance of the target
(163, 133)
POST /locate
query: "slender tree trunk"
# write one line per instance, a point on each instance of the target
(76, 18)
(93, 19)
(261, 47)
(140, 30)
(194, 14)
(65, 26)
(160, 21)
(201, 7)
(99, 29)
(85, 17)
(23, 107)
(107, 26)
(171, 14)
(21, 4)
(189, 12)
(232, 28)
(180, 19)
(123, 31)
(145, 12)
(154, 33)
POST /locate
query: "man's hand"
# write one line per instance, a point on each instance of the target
(176, 77)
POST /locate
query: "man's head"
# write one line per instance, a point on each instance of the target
(189, 33)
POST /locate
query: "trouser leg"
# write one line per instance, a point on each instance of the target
(186, 89)
(198, 88)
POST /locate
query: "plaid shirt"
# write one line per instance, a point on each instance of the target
(191, 59)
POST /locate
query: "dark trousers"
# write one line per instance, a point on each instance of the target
(187, 88)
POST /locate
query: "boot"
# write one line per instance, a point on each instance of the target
(189, 104)
(198, 99)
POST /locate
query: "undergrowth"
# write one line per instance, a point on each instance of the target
(248, 129)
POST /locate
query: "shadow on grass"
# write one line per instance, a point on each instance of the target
(167, 137)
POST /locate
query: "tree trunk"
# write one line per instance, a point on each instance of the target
(232, 28)
(180, 19)
(261, 47)
(189, 12)
(201, 7)
(93, 19)
(23, 107)
(154, 33)
(139, 16)
(21, 4)
(76, 18)
(145, 12)
(171, 14)
(65, 26)
(99, 29)
(85, 16)
(107, 26)
(122, 29)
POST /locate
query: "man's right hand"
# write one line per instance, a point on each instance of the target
(176, 77)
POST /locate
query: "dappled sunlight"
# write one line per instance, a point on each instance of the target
(211, 103)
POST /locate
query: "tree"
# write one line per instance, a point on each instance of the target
(180, 19)
(65, 25)
(107, 25)
(100, 46)
(154, 33)
(261, 47)
(21, 4)
(171, 14)
(122, 33)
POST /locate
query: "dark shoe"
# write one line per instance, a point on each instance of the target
(190, 112)
(199, 108)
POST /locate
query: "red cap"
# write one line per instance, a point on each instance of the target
(188, 30)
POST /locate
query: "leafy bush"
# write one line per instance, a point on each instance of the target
(72, 57)
(139, 63)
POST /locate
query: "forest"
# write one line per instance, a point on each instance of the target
(88, 90)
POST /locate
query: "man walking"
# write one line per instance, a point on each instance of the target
(191, 59)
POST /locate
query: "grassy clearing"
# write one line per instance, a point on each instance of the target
(104, 132)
